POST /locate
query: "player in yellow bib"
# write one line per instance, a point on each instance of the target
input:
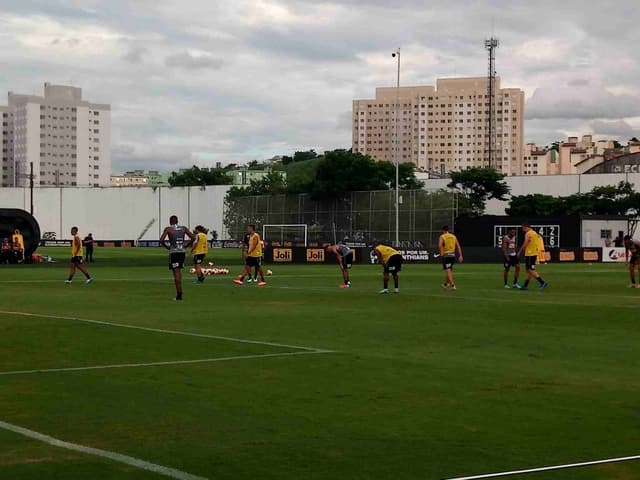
(530, 247)
(76, 257)
(18, 245)
(391, 261)
(199, 250)
(449, 246)
(254, 257)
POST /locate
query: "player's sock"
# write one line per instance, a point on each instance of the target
(540, 280)
(395, 282)
(526, 283)
(633, 279)
(179, 296)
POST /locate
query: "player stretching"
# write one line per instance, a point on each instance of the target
(391, 261)
(530, 248)
(632, 246)
(176, 234)
(76, 257)
(449, 246)
(199, 250)
(345, 260)
(511, 259)
(254, 257)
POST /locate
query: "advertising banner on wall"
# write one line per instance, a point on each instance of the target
(614, 254)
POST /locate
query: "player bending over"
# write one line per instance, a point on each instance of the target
(511, 259)
(76, 257)
(449, 246)
(632, 247)
(345, 260)
(176, 246)
(530, 248)
(253, 259)
(199, 250)
(391, 261)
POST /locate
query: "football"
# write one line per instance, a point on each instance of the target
(269, 273)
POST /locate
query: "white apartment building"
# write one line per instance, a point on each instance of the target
(65, 138)
(442, 128)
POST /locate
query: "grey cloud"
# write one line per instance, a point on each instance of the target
(193, 62)
(135, 55)
(581, 102)
(290, 85)
(620, 129)
(301, 44)
(579, 82)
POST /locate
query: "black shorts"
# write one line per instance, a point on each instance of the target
(77, 260)
(253, 261)
(448, 262)
(198, 259)
(530, 262)
(394, 265)
(634, 259)
(347, 261)
(511, 261)
(176, 260)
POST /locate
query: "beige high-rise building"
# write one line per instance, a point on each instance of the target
(6, 136)
(442, 128)
(66, 138)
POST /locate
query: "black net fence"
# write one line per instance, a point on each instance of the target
(359, 217)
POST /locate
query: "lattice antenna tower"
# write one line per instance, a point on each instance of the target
(491, 45)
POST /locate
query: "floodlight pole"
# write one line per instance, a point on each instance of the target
(397, 150)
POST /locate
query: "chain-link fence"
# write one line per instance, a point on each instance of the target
(360, 217)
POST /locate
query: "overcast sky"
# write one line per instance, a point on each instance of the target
(200, 81)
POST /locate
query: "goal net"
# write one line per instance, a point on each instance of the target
(285, 234)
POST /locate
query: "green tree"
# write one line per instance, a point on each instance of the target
(406, 175)
(299, 157)
(554, 146)
(273, 183)
(621, 199)
(342, 171)
(301, 175)
(196, 176)
(480, 185)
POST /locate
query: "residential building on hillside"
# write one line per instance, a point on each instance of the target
(575, 151)
(581, 155)
(129, 180)
(140, 178)
(65, 138)
(443, 128)
(539, 161)
(244, 175)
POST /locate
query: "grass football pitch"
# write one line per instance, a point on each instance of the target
(301, 379)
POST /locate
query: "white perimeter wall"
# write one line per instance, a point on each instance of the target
(119, 213)
(556, 185)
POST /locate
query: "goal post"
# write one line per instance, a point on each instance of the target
(294, 233)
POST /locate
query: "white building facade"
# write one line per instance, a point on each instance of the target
(65, 138)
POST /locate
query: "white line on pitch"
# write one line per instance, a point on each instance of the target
(156, 364)
(116, 457)
(545, 469)
(160, 330)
